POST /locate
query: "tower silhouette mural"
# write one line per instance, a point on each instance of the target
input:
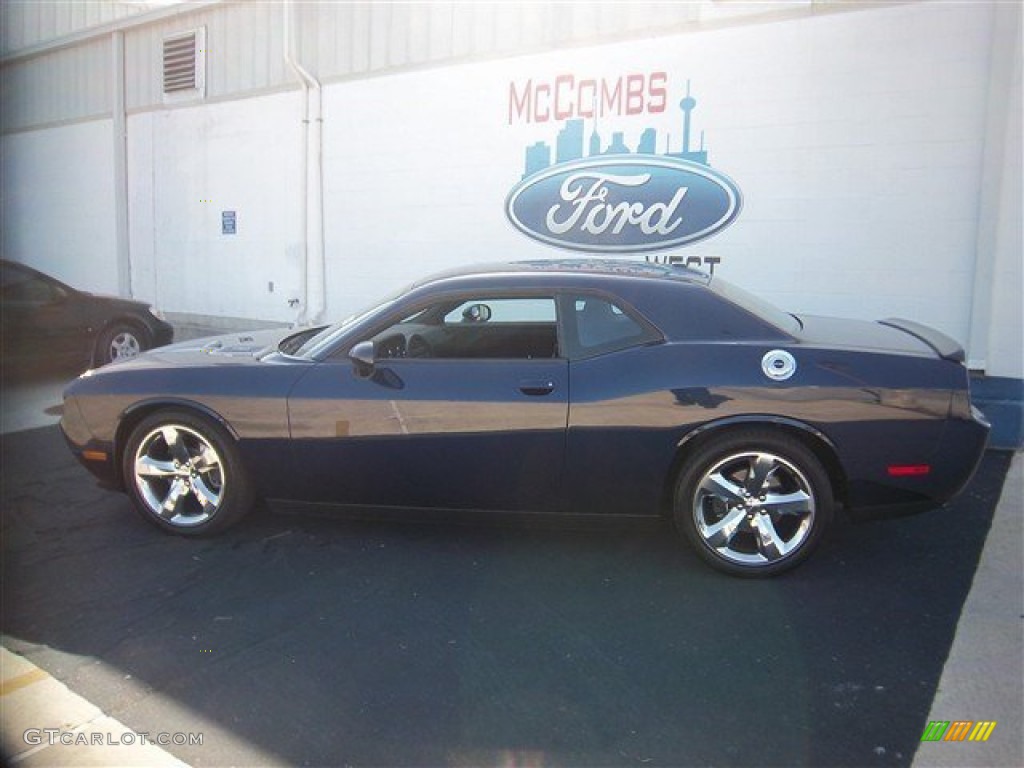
(570, 144)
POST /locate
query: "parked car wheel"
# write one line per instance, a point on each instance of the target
(120, 341)
(183, 473)
(754, 503)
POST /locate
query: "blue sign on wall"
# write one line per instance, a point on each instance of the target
(624, 204)
(228, 223)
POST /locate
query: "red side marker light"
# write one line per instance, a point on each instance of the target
(909, 470)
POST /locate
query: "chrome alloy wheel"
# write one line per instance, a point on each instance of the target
(179, 475)
(123, 346)
(753, 508)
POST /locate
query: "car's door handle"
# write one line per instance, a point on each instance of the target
(537, 387)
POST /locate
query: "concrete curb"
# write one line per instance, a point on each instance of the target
(43, 723)
(983, 679)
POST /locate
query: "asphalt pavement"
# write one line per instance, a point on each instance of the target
(304, 640)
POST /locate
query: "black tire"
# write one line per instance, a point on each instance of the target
(120, 340)
(183, 473)
(753, 503)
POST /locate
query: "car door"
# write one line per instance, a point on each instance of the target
(616, 443)
(463, 407)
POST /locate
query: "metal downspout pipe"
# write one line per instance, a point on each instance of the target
(314, 285)
(120, 135)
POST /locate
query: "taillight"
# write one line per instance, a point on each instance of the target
(908, 470)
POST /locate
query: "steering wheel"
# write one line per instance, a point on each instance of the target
(417, 346)
(391, 347)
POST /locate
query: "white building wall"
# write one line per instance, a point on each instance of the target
(862, 139)
(30, 22)
(185, 168)
(57, 87)
(998, 297)
(855, 138)
(1005, 350)
(57, 206)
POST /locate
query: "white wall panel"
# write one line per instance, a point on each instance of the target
(29, 22)
(58, 203)
(187, 166)
(60, 86)
(244, 53)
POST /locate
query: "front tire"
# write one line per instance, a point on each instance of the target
(753, 503)
(120, 341)
(183, 474)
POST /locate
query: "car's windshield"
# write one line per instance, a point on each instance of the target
(755, 305)
(292, 344)
(325, 336)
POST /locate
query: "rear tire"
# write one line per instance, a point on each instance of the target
(183, 473)
(753, 503)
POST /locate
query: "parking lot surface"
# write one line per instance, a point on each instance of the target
(318, 640)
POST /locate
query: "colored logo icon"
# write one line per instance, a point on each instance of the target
(958, 730)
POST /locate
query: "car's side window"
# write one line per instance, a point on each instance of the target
(597, 325)
(478, 327)
(523, 310)
(23, 286)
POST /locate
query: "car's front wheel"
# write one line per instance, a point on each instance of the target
(120, 341)
(183, 473)
(753, 503)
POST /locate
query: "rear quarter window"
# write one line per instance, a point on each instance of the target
(693, 312)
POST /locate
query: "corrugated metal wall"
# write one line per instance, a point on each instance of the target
(333, 41)
(340, 40)
(30, 22)
(56, 87)
(353, 39)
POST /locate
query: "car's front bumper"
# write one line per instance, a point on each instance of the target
(97, 456)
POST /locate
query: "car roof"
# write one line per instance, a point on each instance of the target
(571, 266)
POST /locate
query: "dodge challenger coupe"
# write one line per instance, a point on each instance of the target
(577, 387)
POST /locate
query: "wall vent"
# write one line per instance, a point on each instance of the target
(184, 64)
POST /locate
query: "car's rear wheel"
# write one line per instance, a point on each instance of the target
(754, 503)
(183, 473)
(120, 341)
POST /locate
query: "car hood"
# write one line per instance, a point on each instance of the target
(117, 302)
(863, 335)
(228, 349)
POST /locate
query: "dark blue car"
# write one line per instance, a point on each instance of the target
(576, 387)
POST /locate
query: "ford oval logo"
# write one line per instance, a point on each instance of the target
(624, 204)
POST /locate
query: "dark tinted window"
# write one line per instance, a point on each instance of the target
(475, 328)
(21, 285)
(597, 325)
(755, 305)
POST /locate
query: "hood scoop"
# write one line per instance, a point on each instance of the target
(241, 346)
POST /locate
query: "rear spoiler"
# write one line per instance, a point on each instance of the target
(944, 347)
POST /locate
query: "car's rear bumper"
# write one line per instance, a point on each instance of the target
(950, 468)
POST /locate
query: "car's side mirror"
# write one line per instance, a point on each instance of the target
(476, 313)
(363, 356)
